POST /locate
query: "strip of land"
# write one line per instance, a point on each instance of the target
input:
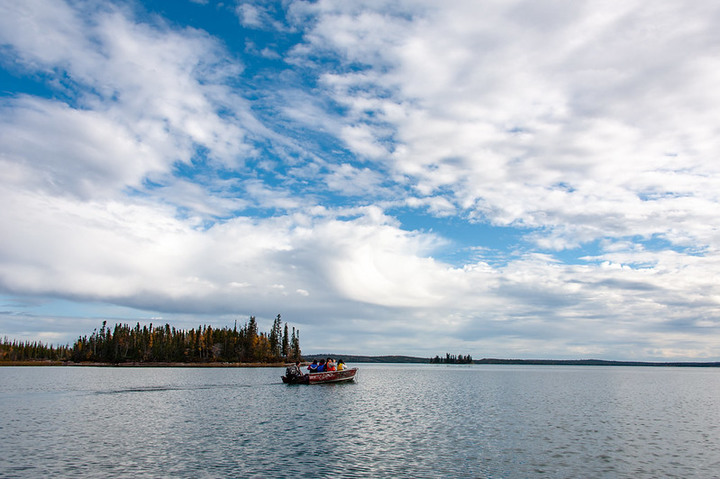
(539, 362)
(348, 358)
(148, 364)
(594, 362)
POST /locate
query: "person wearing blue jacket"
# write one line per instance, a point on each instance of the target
(313, 366)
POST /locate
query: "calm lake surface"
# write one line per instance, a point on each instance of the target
(397, 421)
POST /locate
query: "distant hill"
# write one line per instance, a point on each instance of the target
(592, 362)
(349, 358)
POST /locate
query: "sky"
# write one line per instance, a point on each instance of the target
(500, 178)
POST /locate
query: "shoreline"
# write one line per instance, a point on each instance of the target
(369, 360)
(141, 364)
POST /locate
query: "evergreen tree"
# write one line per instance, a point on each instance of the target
(285, 343)
(295, 346)
(275, 338)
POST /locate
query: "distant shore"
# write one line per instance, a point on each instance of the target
(597, 362)
(371, 360)
(530, 362)
(143, 364)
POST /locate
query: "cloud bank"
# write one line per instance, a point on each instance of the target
(513, 179)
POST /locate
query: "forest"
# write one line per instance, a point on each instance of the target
(123, 343)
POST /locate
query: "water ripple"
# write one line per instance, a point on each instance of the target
(397, 421)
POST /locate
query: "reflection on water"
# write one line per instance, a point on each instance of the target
(410, 421)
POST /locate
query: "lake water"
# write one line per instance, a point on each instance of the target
(396, 421)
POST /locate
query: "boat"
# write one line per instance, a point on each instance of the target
(322, 378)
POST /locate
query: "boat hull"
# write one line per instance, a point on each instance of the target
(323, 378)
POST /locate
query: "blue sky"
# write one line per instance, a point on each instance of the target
(497, 178)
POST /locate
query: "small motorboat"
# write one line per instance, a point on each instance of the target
(322, 378)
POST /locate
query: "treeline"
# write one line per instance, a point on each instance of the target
(452, 359)
(32, 351)
(123, 343)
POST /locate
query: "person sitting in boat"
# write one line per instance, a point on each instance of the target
(313, 366)
(341, 365)
(330, 365)
(321, 366)
(294, 370)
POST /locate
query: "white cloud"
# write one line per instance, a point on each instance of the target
(502, 102)
(250, 15)
(361, 140)
(62, 150)
(139, 256)
(353, 181)
(149, 97)
(258, 16)
(45, 33)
